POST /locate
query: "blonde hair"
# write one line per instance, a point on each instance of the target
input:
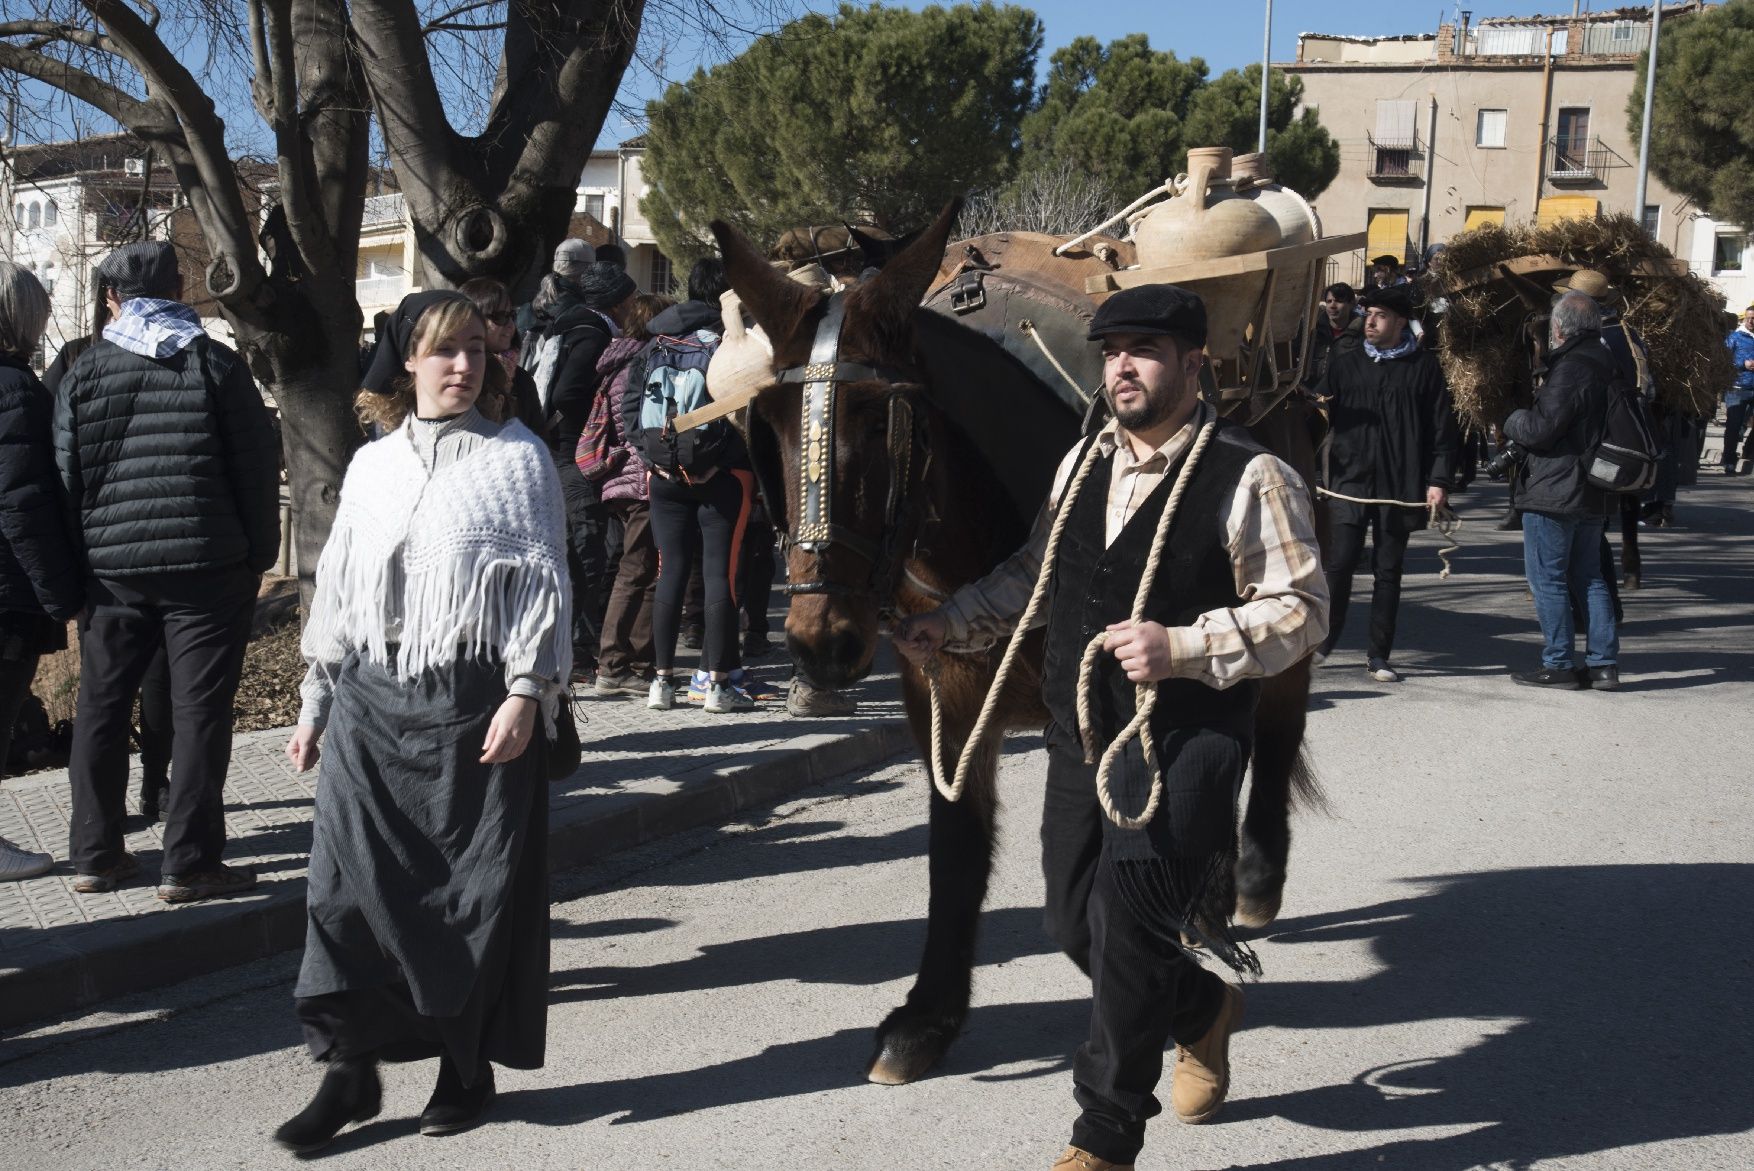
(24, 310)
(446, 319)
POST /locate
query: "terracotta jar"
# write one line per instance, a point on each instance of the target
(1294, 293)
(1210, 219)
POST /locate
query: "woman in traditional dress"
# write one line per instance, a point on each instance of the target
(439, 650)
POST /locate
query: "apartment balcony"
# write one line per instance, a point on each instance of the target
(1395, 160)
(380, 292)
(1580, 161)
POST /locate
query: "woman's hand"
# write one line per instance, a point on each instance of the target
(302, 749)
(509, 734)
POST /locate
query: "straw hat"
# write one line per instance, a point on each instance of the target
(1590, 283)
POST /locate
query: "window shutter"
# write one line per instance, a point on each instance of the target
(1491, 128)
(1394, 121)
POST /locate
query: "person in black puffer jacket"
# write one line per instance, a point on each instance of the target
(40, 588)
(171, 473)
(1563, 513)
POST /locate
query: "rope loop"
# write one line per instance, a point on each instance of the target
(1444, 521)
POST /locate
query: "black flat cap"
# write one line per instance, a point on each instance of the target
(1388, 259)
(1152, 309)
(1397, 299)
(145, 269)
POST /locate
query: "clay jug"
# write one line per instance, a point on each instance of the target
(1294, 293)
(1206, 220)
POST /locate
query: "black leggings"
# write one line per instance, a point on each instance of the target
(716, 510)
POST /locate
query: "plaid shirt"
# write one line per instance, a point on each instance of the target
(1271, 536)
(153, 328)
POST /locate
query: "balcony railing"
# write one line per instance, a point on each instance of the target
(381, 290)
(1395, 160)
(1579, 159)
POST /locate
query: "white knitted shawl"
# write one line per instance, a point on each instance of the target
(476, 549)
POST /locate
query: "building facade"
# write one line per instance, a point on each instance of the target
(1507, 120)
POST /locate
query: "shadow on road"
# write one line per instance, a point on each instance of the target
(1623, 992)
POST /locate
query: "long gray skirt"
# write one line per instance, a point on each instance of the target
(427, 914)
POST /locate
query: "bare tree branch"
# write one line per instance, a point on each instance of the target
(49, 31)
(444, 19)
(141, 117)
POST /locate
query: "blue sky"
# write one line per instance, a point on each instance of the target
(1227, 33)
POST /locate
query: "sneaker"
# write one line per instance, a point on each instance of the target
(217, 883)
(17, 864)
(806, 699)
(1563, 678)
(1201, 1077)
(103, 881)
(701, 680)
(662, 695)
(1605, 678)
(724, 697)
(618, 685)
(1381, 671)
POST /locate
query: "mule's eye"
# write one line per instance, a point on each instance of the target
(876, 427)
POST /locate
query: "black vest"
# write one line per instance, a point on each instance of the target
(1094, 585)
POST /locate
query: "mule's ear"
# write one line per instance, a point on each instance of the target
(890, 298)
(775, 301)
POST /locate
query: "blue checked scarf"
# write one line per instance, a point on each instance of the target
(153, 328)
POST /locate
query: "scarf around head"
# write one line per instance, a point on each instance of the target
(389, 358)
(154, 328)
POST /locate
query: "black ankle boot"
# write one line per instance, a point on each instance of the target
(350, 1092)
(454, 1107)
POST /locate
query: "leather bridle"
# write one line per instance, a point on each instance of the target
(909, 450)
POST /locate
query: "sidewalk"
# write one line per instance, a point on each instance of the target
(644, 775)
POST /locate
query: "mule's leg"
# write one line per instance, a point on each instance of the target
(1265, 846)
(915, 1037)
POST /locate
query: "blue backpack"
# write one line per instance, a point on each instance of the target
(674, 383)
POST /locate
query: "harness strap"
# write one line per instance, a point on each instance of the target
(832, 371)
(816, 462)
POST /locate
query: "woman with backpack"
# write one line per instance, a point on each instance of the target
(624, 656)
(701, 487)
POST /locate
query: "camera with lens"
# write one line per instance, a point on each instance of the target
(1508, 456)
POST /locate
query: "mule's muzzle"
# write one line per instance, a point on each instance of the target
(838, 660)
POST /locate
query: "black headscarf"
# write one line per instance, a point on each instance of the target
(397, 337)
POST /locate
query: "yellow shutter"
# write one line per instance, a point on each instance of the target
(1567, 207)
(1386, 235)
(1480, 216)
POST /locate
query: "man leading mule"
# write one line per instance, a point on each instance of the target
(1182, 568)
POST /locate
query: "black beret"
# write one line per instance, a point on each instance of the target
(397, 338)
(1389, 259)
(145, 269)
(1397, 299)
(1152, 309)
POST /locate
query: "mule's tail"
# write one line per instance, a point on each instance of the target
(1305, 790)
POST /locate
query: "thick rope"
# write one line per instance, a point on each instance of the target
(1167, 188)
(1145, 694)
(1443, 520)
(953, 790)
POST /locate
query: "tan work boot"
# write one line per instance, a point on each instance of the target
(1201, 1076)
(1076, 1159)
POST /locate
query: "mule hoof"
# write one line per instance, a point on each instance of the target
(1630, 583)
(1256, 913)
(909, 1046)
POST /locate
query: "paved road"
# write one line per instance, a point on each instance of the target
(1520, 940)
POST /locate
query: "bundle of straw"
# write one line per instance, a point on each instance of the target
(1485, 358)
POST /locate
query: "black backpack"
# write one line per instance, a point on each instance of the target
(1625, 458)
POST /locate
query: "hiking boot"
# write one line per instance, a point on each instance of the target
(1563, 678)
(152, 801)
(757, 646)
(1605, 678)
(1201, 1077)
(17, 864)
(662, 695)
(805, 699)
(723, 697)
(217, 883)
(1745, 467)
(1512, 523)
(350, 1092)
(1381, 671)
(693, 637)
(103, 881)
(1078, 1159)
(607, 685)
(454, 1107)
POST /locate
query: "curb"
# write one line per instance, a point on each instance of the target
(49, 978)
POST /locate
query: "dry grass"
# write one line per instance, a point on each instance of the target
(1679, 316)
